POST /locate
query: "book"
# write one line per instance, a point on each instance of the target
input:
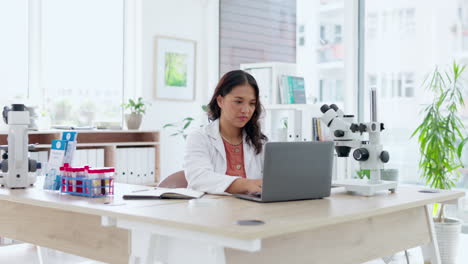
(164, 193)
(319, 130)
(284, 89)
(296, 90)
(57, 153)
(292, 89)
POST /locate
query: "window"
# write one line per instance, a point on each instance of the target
(13, 50)
(372, 20)
(83, 60)
(300, 35)
(410, 21)
(372, 81)
(66, 52)
(383, 87)
(404, 57)
(322, 59)
(408, 85)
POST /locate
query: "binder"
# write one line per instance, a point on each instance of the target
(151, 164)
(139, 165)
(91, 157)
(145, 165)
(131, 161)
(83, 158)
(99, 157)
(122, 163)
(118, 166)
(294, 125)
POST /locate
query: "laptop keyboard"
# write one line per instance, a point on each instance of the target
(256, 194)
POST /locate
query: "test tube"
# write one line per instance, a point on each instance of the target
(109, 180)
(103, 176)
(87, 188)
(96, 182)
(80, 173)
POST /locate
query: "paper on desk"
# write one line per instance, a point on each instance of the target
(174, 193)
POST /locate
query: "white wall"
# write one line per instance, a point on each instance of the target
(188, 19)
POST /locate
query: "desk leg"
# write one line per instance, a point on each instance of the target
(168, 245)
(40, 254)
(430, 251)
(170, 250)
(142, 245)
(148, 247)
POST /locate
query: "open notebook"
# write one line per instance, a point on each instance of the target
(165, 193)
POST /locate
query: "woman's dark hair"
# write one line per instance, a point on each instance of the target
(254, 135)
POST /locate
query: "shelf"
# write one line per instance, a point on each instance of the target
(291, 106)
(84, 131)
(109, 140)
(117, 144)
(314, 109)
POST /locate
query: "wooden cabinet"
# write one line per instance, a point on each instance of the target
(109, 140)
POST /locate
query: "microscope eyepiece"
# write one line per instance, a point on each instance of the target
(334, 107)
(324, 108)
(18, 107)
(339, 133)
(5, 114)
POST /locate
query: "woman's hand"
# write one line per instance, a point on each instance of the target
(245, 186)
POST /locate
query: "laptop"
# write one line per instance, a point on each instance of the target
(295, 171)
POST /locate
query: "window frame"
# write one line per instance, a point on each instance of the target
(132, 50)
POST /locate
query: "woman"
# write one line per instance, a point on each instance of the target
(226, 156)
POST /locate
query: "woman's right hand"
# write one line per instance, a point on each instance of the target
(242, 185)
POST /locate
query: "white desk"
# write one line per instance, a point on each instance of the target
(339, 229)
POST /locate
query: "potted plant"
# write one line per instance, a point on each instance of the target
(441, 139)
(137, 109)
(181, 127)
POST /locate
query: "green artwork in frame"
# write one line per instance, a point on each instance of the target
(174, 68)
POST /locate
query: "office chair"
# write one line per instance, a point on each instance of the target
(175, 180)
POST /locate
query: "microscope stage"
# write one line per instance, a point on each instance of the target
(363, 187)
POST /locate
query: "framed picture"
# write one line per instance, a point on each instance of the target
(174, 66)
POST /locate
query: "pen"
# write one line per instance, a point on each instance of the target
(141, 190)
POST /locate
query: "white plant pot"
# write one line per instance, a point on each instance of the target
(133, 120)
(448, 235)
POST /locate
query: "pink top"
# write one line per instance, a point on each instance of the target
(235, 159)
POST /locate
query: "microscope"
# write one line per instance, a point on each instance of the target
(17, 170)
(370, 154)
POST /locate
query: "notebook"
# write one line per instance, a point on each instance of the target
(165, 193)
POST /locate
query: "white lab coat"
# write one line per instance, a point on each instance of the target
(205, 161)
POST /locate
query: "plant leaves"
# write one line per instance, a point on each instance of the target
(460, 147)
(187, 124)
(441, 129)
